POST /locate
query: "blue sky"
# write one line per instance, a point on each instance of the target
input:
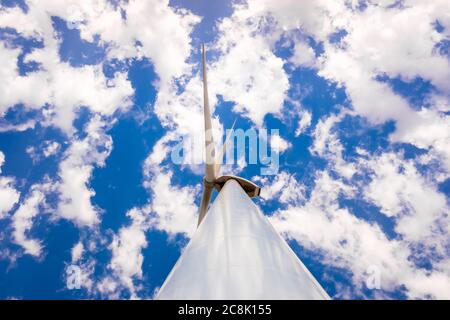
(94, 97)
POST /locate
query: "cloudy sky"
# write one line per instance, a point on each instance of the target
(94, 95)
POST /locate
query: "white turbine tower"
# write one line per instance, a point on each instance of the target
(235, 252)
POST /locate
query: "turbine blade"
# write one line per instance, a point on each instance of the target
(206, 198)
(209, 139)
(222, 151)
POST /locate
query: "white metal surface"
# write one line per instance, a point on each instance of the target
(237, 254)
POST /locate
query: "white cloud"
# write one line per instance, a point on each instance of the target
(318, 18)
(247, 72)
(303, 56)
(173, 206)
(371, 99)
(108, 287)
(385, 41)
(322, 134)
(75, 172)
(127, 258)
(304, 123)
(66, 88)
(9, 196)
(278, 143)
(252, 76)
(29, 124)
(283, 187)
(51, 148)
(22, 220)
(164, 38)
(427, 129)
(418, 210)
(401, 192)
(327, 145)
(182, 113)
(77, 251)
(46, 149)
(30, 90)
(382, 42)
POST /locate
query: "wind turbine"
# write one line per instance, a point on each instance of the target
(213, 164)
(235, 252)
